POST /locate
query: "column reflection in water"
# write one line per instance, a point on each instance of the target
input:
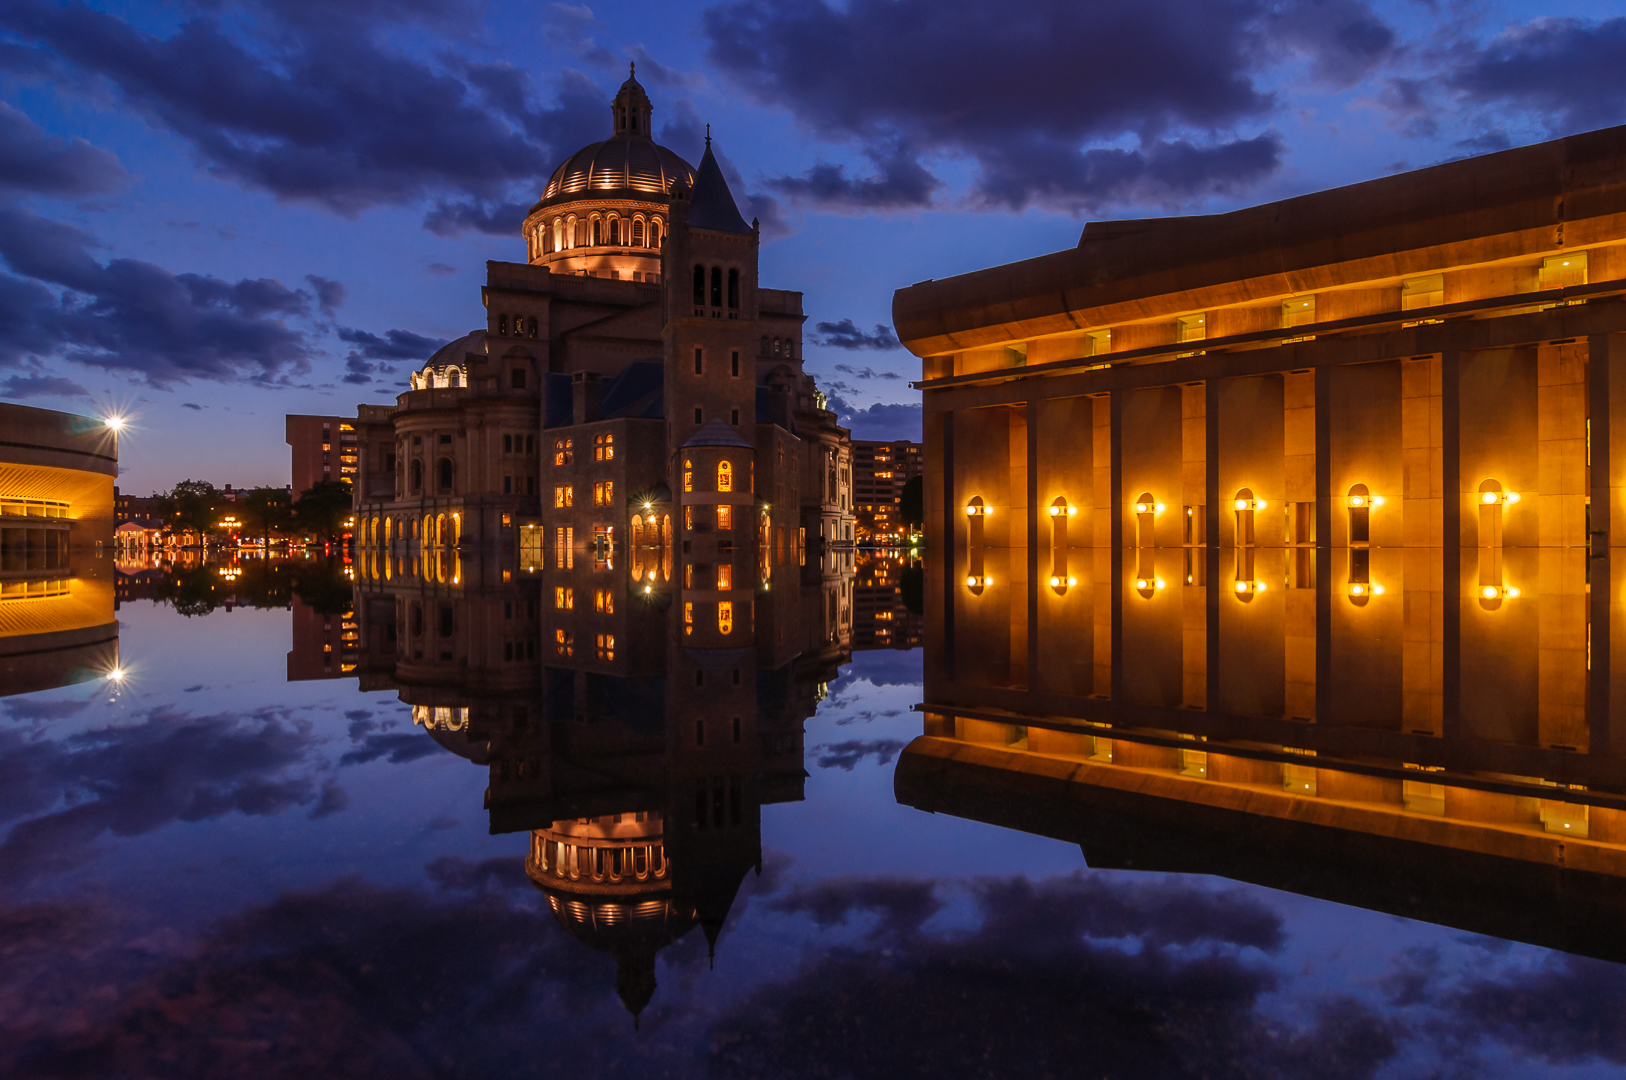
(1395, 692)
(634, 708)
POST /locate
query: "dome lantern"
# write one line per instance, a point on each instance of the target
(631, 109)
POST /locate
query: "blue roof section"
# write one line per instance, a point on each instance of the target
(557, 399)
(712, 205)
(629, 395)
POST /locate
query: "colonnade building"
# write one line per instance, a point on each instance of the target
(634, 342)
(1297, 519)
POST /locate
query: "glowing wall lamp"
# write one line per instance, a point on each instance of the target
(1245, 505)
(1493, 503)
(976, 512)
(1060, 511)
(1146, 511)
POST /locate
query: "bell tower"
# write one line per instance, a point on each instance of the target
(710, 327)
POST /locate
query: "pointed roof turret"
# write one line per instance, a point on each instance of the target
(712, 205)
(631, 109)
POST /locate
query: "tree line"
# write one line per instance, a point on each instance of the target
(200, 508)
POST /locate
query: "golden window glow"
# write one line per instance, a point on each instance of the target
(725, 516)
(604, 447)
(604, 601)
(688, 618)
(688, 476)
(604, 644)
(562, 453)
(725, 617)
(603, 493)
(564, 599)
(564, 643)
(564, 495)
(725, 476)
(688, 518)
(725, 576)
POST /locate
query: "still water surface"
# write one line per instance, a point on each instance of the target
(210, 868)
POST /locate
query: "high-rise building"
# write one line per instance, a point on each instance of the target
(324, 448)
(880, 469)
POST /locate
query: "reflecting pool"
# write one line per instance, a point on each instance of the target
(455, 817)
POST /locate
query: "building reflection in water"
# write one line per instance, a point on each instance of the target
(634, 742)
(57, 622)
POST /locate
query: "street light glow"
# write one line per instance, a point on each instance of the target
(114, 424)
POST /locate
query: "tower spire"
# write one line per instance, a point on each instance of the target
(708, 136)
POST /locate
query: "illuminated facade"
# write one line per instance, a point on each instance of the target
(321, 448)
(1313, 498)
(56, 548)
(558, 430)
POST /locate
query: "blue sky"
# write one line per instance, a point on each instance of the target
(216, 213)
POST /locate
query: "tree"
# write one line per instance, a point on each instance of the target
(322, 509)
(913, 502)
(265, 510)
(191, 506)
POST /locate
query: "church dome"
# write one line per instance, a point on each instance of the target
(628, 165)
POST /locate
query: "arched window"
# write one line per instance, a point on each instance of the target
(776, 346)
(530, 327)
(502, 325)
(790, 352)
(716, 286)
(570, 233)
(445, 474)
(563, 451)
(596, 236)
(454, 377)
(725, 476)
(725, 617)
(734, 289)
(615, 232)
(604, 447)
(416, 476)
(699, 286)
(637, 233)
(558, 234)
(654, 234)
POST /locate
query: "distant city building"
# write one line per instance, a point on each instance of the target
(881, 619)
(324, 448)
(880, 469)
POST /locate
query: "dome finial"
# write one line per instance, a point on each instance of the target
(632, 69)
(708, 136)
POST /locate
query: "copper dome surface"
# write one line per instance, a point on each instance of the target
(629, 163)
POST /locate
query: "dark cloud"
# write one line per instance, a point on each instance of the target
(35, 163)
(393, 345)
(1176, 82)
(902, 904)
(575, 24)
(881, 420)
(651, 70)
(332, 800)
(900, 182)
(1568, 1011)
(398, 749)
(192, 405)
(310, 104)
(448, 218)
(329, 294)
(846, 335)
(1566, 70)
(440, 269)
(456, 874)
(27, 386)
(866, 372)
(1343, 40)
(846, 755)
(27, 709)
(132, 316)
(62, 795)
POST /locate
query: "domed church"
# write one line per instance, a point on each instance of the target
(636, 328)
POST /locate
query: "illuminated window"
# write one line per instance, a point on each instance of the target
(564, 643)
(725, 516)
(564, 495)
(603, 547)
(604, 447)
(507, 520)
(564, 548)
(688, 519)
(603, 493)
(725, 617)
(1562, 271)
(725, 476)
(564, 599)
(1422, 292)
(604, 601)
(688, 618)
(725, 577)
(604, 646)
(562, 451)
(1298, 310)
(688, 476)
